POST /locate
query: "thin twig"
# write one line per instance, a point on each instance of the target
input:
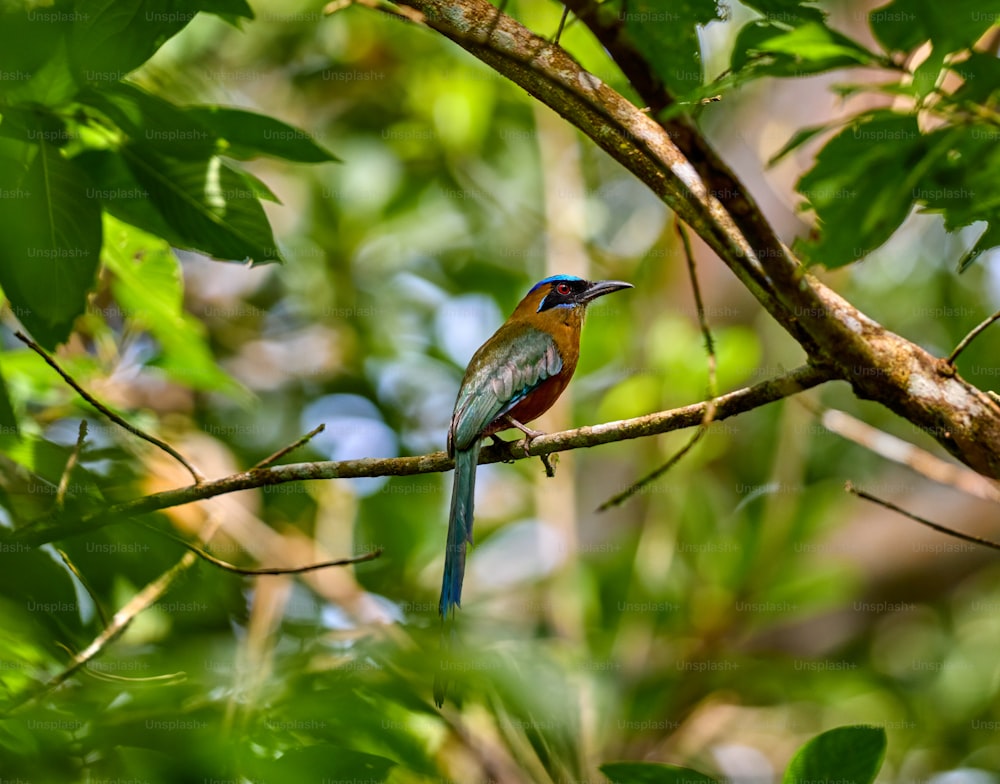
(205, 555)
(195, 473)
(850, 488)
(562, 24)
(166, 678)
(52, 527)
(389, 9)
(655, 474)
(86, 585)
(70, 465)
(970, 337)
(290, 448)
(713, 386)
(107, 676)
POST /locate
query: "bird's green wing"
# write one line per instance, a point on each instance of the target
(506, 368)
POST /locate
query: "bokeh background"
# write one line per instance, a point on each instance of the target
(736, 607)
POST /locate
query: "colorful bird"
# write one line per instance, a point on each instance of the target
(513, 378)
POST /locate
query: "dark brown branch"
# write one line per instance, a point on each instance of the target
(850, 488)
(195, 474)
(970, 337)
(53, 527)
(265, 571)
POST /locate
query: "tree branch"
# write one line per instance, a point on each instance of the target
(103, 409)
(54, 527)
(677, 164)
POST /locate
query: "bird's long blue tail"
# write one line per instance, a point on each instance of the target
(459, 527)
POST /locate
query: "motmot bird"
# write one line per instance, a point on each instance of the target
(513, 378)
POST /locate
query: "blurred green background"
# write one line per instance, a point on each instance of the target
(733, 609)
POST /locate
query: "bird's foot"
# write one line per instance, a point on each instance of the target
(529, 436)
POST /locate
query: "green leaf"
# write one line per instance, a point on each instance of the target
(52, 240)
(764, 48)
(52, 84)
(26, 45)
(207, 204)
(249, 135)
(815, 42)
(653, 773)
(111, 38)
(862, 186)
(903, 25)
(981, 74)
(148, 286)
(959, 182)
(153, 122)
(121, 194)
(665, 32)
(845, 755)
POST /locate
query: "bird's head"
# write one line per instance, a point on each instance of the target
(561, 297)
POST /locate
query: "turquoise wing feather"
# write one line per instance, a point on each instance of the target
(508, 366)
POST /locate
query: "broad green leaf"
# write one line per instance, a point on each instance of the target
(653, 773)
(764, 48)
(153, 122)
(249, 135)
(27, 41)
(207, 204)
(665, 32)
(259, 187)
(927, 74)
(981, 73)
(959, 181)
(52, 84)
(111, 38)
(845, 755)
(148, 286)
(52, 239)
(896, 26)
(862, 186)
(905, 24)
(123, 196)
(814, 41)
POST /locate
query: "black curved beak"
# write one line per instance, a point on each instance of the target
(601, 287)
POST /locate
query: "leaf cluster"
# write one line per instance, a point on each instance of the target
(80, 140)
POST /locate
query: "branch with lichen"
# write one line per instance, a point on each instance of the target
(57, 526)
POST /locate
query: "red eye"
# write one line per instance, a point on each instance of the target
(563, 289)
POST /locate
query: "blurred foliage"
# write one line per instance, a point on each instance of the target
(720, 620)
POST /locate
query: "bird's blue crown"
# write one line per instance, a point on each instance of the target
(554, 278)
